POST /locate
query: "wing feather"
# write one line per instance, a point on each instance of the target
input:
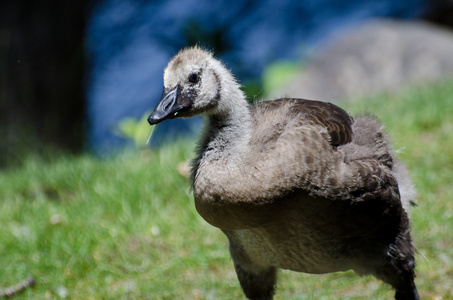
(337, 122)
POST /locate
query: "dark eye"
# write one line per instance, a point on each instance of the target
(194, 78)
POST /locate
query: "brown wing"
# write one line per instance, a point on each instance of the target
(337, 122)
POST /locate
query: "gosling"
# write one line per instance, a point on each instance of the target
(293, 183)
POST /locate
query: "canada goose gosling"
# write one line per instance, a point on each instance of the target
(294, 184)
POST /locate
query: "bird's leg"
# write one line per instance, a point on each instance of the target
(399, 271)
(257, 282)
(257, 286)
(402, 281)
(411, 294)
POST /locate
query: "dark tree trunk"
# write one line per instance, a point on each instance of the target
(439, 12)
(42, 63)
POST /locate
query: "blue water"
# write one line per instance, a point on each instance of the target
(130, 42)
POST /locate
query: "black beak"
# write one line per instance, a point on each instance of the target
(167, 107)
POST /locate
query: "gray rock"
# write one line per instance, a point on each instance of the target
(381, 55)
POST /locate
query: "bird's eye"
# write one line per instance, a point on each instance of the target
(194, 78)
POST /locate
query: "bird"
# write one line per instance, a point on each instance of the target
(294, 184)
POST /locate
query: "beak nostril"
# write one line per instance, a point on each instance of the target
(167, 106)
(169, 100)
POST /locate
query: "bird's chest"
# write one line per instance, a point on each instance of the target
(218, 194)
(224, 180)
(229, 196)
(214, 181)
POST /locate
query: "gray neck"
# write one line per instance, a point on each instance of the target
(227, 131)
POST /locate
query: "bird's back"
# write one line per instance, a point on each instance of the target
(277, 114)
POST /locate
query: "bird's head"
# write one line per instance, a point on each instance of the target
(192, 86)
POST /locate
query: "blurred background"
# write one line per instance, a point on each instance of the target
(74, 75)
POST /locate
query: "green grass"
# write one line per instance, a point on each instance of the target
(126, 227)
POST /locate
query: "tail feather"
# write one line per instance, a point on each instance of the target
(370, 142)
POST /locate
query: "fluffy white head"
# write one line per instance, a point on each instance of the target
(196, 83)
(203, 81)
